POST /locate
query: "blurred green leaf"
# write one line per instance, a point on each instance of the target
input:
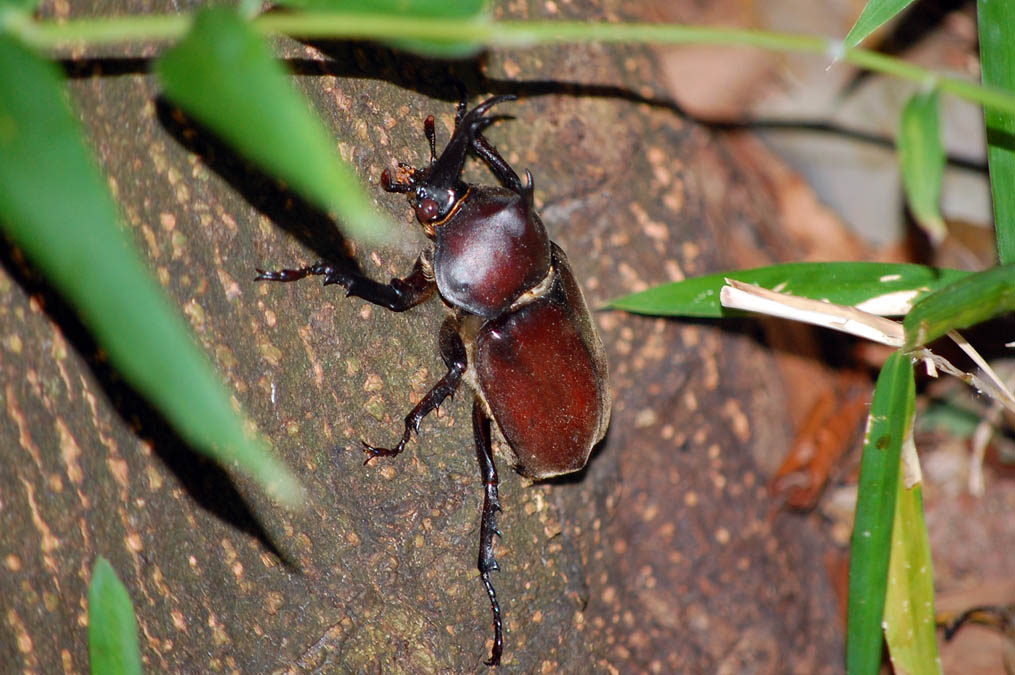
(922, 160)
(889, 422)
(56, 206)
(424, 9)
(874, 15)
(225, 75)
(910, 628)
(112, 628)
(997, 62)
(17, 6)
(844, 283)
(249, 9)
(964, 303)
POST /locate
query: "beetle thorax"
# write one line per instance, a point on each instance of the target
(490, 251)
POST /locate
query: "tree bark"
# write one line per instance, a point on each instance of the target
(663, 555)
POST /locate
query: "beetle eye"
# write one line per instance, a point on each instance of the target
(428, 211)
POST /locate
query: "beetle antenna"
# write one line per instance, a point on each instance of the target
(431, 136)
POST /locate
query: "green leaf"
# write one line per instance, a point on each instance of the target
(997, 62)
(964, 303)
(112, 628)
(249, 9)
(423, 9)
(56, 206)
(922, 161)
(15, 7)
(224, 74)
(888, 424)
(846, 283)
(873, 16)
(909, 604)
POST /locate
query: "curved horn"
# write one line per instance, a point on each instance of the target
(445, 171)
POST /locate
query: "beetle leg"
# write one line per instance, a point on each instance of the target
(484, 148)
(398, 295)
(498, 164)
(319, 268)
(463, 103)
(488, 523)
(453, 353)
(461, 108)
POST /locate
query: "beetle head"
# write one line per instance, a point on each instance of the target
(435, 191)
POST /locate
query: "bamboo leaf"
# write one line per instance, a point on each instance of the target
(844, 283)
(112, 628)
(909, 603)
(964, 303)
(56, 206)
(15, 6)
(870, 550)
(225, 75)
(922, 162)
(997, 59)
(874, 15)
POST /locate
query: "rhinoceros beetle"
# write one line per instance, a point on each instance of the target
(518, 330)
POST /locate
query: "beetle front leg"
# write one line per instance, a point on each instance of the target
(483, 147)
(397, 295)
(488, 522)
(488, 152)
(453, 352)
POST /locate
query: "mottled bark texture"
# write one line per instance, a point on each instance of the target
(665, 554)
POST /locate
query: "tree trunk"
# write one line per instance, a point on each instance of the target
(662, 555)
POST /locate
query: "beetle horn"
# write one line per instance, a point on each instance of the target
(445, 171)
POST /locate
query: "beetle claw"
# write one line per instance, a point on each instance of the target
(281, 275)
(373, 451)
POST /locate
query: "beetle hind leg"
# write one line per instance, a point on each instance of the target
(488, 522)
(453, 352)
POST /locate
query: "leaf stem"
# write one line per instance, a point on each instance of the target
(56, 35)
(53, 35)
